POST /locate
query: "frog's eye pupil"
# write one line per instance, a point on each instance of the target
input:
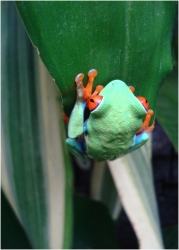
(146, 101)
(91, 100)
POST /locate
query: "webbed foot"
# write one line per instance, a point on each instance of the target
(77, 148)
(88, 90)
(145, 125)
(138, 141)
(79, 86)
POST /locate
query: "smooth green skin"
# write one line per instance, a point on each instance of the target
(123, 40)
(111, 127)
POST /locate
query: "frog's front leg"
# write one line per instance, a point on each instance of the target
(75, 127)
(145, 125)
(141, 136)
(76, 142)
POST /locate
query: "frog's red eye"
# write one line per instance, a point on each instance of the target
(93, 102)
(144, 102)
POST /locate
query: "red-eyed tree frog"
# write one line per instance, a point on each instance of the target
(118, 121)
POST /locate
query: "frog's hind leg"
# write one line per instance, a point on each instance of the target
(77, 147)
(138, 141)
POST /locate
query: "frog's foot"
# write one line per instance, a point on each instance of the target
(149, 129)
(79, 86)
(132, 89)
(77, 148)
(92, 74)
(145, 125)
(88, 90)
(97, 90)
(138, 141)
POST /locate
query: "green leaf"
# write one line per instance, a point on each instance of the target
(167, 106)
(36, 168)
(93, 227)
(13, 235)
(132, 175)
(170, 236)
(123, 40)
(102, 188)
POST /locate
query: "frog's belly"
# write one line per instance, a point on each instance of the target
(108, 143)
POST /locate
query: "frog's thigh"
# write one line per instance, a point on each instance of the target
(138, 141)
(77, 148)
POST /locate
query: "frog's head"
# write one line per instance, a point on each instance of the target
(144, 102)
(93, 101)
